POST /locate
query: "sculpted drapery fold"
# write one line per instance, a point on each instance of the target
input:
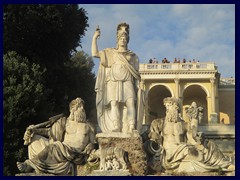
(118, 71)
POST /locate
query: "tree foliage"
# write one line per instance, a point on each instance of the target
(46, 35)
(42, 70)
(23, 91)
(80, 80)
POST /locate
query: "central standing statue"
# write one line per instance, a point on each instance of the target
(118, 100)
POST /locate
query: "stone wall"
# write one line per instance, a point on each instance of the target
(222, 135)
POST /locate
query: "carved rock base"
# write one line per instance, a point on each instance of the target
(132, 144)
(34, 174)
(110, 173)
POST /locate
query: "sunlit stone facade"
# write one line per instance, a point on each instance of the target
(199, 82)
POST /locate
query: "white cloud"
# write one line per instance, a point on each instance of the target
(182, 9)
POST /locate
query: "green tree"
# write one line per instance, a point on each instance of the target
(22, 93)
(46, 35)
(80, 80)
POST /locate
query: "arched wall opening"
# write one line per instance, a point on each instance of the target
(156, 109)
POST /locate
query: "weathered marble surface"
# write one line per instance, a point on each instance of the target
(34, 174)
(133, 145)
(178, 153)
(55, 147)
(110, 173)
(119, 99)
(195, 115)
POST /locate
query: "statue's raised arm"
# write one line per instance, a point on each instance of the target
(96, 36)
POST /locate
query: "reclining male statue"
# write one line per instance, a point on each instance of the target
(180, 154)
(58, 143)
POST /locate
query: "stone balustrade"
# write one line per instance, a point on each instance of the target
(178, 66)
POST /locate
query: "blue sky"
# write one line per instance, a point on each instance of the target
(205, 32)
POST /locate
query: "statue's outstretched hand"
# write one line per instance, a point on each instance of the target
(97, 33)
(28, 134)
(30, 127)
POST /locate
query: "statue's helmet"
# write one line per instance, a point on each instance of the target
(123, 30)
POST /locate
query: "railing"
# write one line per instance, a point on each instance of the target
(178, 66)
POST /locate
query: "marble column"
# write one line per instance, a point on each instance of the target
(176, 80)
(177, 94)
(213, 115)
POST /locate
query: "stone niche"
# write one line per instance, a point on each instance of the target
(132, 144)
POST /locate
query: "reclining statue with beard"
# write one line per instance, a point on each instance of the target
(54, 146)
(182, 153)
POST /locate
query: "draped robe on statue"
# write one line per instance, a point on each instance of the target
(117, 80)
(54, 155)
(183, 157)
